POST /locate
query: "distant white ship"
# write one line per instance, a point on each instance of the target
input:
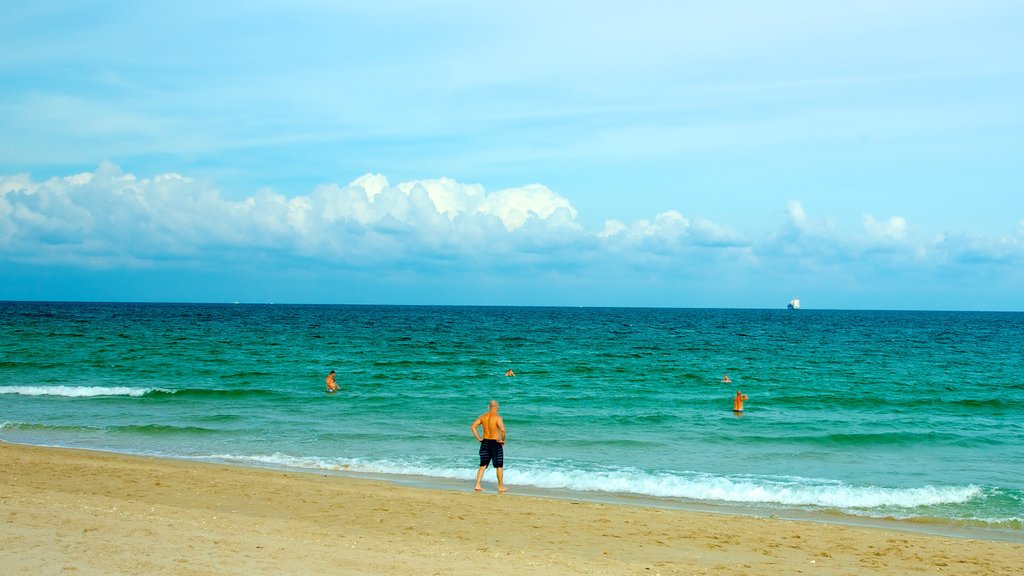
(794, 304)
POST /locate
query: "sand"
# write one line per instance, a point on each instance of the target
(79, 512)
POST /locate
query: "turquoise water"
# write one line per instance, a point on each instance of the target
(913, 416)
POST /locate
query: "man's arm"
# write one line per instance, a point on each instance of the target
(501, 426)
(476, 424)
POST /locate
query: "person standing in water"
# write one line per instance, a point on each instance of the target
(492, 444)
(737, 402)
(332, 385)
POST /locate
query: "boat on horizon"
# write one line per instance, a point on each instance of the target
(794, 304)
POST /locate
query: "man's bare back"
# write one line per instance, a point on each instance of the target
(493, 426)
(491, 445)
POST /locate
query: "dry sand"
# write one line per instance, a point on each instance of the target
(80, 512)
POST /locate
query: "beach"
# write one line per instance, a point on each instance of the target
(82, 512)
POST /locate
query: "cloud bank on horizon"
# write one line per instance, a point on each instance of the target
(109, 219)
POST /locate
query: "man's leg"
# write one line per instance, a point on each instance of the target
(501, 479)
(479, 476)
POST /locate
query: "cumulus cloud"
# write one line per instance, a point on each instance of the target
(801, 241)
(670, 231)
(964, 248)
(117, 217)
(109, 218)
(796, 215)
(667, 229)
(892, 230)
(816, 246)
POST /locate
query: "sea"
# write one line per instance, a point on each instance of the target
(909, 418)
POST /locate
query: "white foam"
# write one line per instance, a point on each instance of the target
(77, 391)
(749, 489)
(737, 489)
(347, 465)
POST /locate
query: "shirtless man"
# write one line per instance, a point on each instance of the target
(737, 402)
(491, 445)
(332, 386)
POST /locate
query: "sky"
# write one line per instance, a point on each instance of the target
(681, 154)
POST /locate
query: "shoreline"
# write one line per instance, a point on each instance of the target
(925, 525)
(89, 512)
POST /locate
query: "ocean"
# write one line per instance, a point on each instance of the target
(908, 417)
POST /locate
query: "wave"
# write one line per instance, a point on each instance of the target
(129, 391)
(864, 439)
(215, 393)
(148, 429)
(245, 375)
(79, 391)
(991, 403)
(836, 401)
(888, 403)
(32, 427)
(161, 429)
(755, 490)
(690, 486)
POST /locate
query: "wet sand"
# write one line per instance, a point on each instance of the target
(79, 512)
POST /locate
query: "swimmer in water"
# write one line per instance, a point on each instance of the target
(332, 385)
(737, 402)
(510, 373)
(725, 380)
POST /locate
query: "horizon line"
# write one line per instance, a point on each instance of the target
(802, 309)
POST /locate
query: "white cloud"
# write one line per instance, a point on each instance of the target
(614, 227)
(708, 233)
(120, 220)
(372, 184)
(815, 245)
(171, 216)
(893, 229)
(663, 235)
(796, 215)
(515, 205)
(964, 248)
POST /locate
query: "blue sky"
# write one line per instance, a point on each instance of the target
(572, 153)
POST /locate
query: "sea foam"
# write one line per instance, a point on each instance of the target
(78, 391)
(690, 486)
